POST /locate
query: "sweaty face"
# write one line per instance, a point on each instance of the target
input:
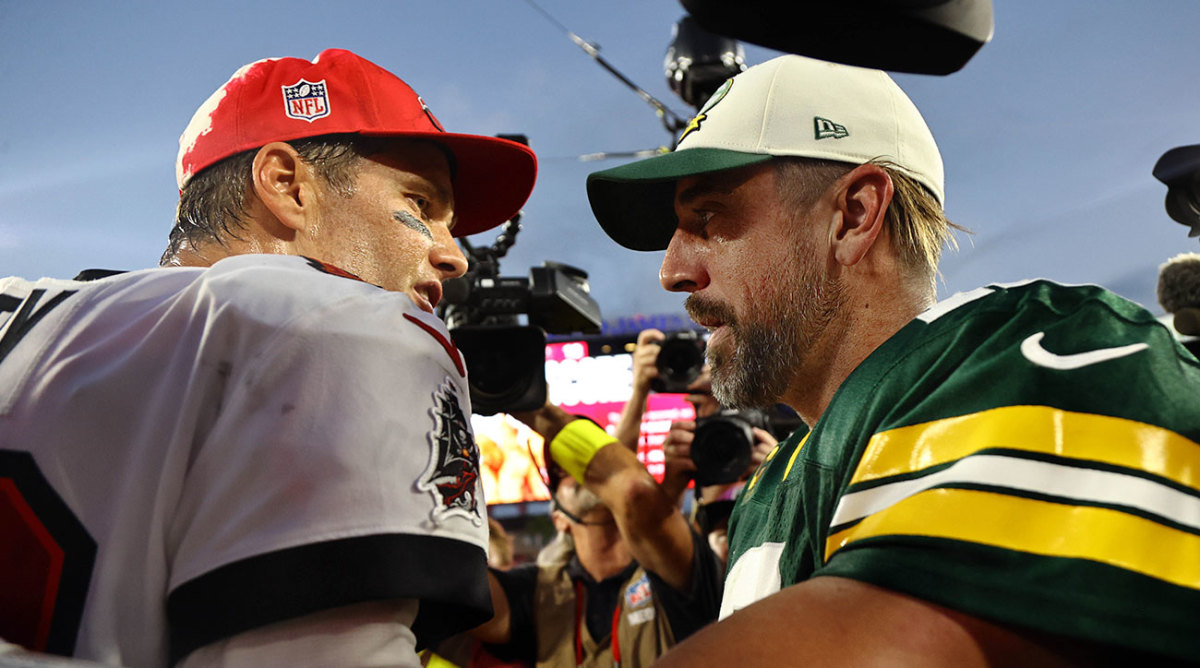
(756, 279)
(394, 228)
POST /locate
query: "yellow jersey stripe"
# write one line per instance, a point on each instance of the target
(1038, 429)
(792, 460)
(1038, 527)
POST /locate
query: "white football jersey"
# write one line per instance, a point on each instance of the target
(189, 453)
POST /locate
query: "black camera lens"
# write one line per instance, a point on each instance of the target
(722, 448)
(723, 445)
(680, 361)
(506, 369)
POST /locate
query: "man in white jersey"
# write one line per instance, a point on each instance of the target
(259, 453)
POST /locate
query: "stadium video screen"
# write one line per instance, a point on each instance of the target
(585, 378)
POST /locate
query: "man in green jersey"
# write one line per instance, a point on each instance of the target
(1010, 476)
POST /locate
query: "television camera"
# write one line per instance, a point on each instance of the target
(506, 359)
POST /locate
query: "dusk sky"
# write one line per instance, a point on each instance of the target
(1049, 134)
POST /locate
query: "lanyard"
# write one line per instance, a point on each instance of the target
(616, 646)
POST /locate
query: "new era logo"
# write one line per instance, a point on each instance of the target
(827, 129)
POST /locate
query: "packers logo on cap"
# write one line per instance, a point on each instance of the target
(719, 95)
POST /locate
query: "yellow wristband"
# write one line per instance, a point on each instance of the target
(576, 444)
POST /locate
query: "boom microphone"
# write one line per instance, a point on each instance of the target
(1179, 291)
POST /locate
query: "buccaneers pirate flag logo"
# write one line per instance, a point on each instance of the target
(453, 473)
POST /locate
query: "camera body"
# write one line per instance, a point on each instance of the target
(506, 360)
(1179, 169)
(723, 445)
(680, 361)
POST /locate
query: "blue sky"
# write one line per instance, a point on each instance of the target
(1049, 134)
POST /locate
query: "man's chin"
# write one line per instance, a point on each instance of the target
(730, 385)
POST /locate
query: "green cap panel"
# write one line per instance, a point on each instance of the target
(635, 203)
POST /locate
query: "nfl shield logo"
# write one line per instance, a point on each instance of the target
(638, 593)
(306, 100)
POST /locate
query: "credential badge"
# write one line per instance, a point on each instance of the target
(306, 100)
(638, 593)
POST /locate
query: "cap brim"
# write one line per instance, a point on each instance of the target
(493, 178)
(635, 203)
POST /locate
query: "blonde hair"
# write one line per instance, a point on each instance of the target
(918, 223)
(915, 219)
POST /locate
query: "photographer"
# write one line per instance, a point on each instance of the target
(645, 370)
(712, 500)
(632, 579)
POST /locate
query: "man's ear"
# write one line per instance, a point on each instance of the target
(284, 184)
(862, 199)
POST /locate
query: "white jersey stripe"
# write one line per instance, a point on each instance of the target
(1090, 486)
(952, 302)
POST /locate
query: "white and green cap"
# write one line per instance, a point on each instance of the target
(787, 106)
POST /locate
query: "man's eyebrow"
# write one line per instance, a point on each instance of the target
(441, 193)
(704, 187)
(409, 220)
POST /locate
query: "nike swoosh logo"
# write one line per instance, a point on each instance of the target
(1033, 351)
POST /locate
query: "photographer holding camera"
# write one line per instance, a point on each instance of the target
(627, 579)
(719, 449)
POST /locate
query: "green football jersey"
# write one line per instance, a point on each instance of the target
(1024, 453)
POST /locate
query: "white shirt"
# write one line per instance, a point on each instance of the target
(242, 444)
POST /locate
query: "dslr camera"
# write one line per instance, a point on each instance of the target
(723, 445)
(680, 361)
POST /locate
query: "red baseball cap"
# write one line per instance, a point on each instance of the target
(280, 99)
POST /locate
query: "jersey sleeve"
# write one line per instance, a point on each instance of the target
(337, 466)
(1048, 479)
(519, 585)
(690, 610)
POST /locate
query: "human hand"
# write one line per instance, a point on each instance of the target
(678, 467)
(645, 359)
(764, 443)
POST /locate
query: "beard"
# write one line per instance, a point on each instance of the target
(771, 344)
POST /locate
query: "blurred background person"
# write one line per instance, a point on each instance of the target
(712, 503)
(464, 650)
(626, 578)
(500, 546)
